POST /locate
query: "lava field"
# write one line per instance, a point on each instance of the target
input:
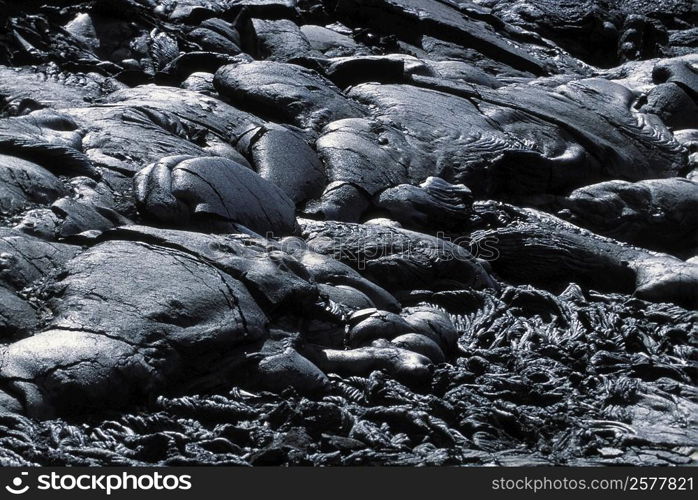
(348, 232)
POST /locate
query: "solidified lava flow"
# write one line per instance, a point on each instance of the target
(348, 232)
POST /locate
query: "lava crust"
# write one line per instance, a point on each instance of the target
(348, 232)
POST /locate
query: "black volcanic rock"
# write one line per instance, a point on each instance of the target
(278, 40)
(396, 258)
(284, 158)
(657, 214)
(369, 155)
(408, 18)
(557, 252)
(22, 182)
(348, 232)
(273, 276)
(179, 187)
(434, 203)
(116, 335)
(285, 92)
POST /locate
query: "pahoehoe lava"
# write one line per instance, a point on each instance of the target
(348, 232)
